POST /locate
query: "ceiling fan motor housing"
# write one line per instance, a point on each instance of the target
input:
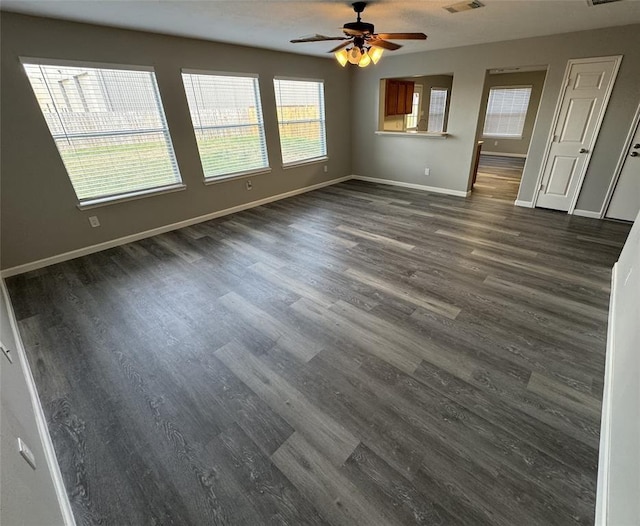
(362, 28)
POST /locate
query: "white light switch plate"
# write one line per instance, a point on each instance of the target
(26, 453)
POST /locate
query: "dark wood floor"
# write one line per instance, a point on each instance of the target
(356, 355)
(499, 177)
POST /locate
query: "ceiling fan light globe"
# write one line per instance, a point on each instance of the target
(365, 60)
(354, 55)
(375, 53)
(342, 57)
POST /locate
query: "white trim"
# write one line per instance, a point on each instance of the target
(602, 488)
(83, 64)
(52, 260)
(503, 137)
(586, 213)
(296, 164)
(420, 135)
(298, 79)
(188, 71)
(525, 204)
(237, 175)
(622, 159)
(41, 421)
(88, 204)
(556, 116)
(433, 189)
(500, 154)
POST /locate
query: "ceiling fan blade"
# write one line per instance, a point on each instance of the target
(316, 38)
(338, 48)
(402, 36)
(383, 44)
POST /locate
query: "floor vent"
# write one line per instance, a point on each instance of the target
(474, 4)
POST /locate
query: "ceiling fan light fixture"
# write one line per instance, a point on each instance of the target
(365, 60)
(342, 57)
(354, 55)
(375, 53)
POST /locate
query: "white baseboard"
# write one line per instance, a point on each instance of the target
(41, 420)
(525, 204)
(34, 265)
(602, 488)
(433, 189)
(586, 213)
(500, 154)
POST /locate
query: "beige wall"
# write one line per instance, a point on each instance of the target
(535, 79)
(39, 214)
(405, 158)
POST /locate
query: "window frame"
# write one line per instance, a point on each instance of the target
(107, 199)
(243, 173)
(323, 120)
(418, 90)
(524, 122)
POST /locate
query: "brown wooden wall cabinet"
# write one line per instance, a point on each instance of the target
(399, 97)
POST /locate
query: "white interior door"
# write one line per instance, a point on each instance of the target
(581, 110)
(625, 203)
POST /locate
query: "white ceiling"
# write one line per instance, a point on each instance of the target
(272, 23)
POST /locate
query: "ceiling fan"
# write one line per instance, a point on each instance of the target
(367, 45)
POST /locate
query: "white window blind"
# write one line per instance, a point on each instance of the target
(437, 106)
(300, 107)
(227, 118)
(109, 127)
(506, 111)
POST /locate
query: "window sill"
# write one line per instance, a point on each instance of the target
(315, 160)
(420, 135)
(237, 175)
(503, 137)
(105, 201)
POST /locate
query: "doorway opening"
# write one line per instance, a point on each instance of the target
(510, 102)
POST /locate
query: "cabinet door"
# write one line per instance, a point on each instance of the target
(408, 97)
(391, 103)
(402, 95)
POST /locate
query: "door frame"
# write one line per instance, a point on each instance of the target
(620, 165)
(556, 116)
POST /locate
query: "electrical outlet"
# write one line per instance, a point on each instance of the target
(94, 221)
(326, 168)
(6, 352)
(495, 143)
(249, 184)
(427, 171)
(26, 453)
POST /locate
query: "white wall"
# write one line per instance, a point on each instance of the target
(618, 501)
(28, 497)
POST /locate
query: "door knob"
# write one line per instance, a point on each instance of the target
(636, 146)
(634, 154)
(583, 150)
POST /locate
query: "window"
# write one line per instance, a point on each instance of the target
(300, 106)
(109, 127)
(437, 105)
(227, 118)
(412, 119)
(506, 112)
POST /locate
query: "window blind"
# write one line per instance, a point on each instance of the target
(109, 127)
(506, 111)
(227, 119)
(437, 105)
(301, 120)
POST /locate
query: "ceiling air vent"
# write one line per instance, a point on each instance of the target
(594, 3)
(475, 4)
